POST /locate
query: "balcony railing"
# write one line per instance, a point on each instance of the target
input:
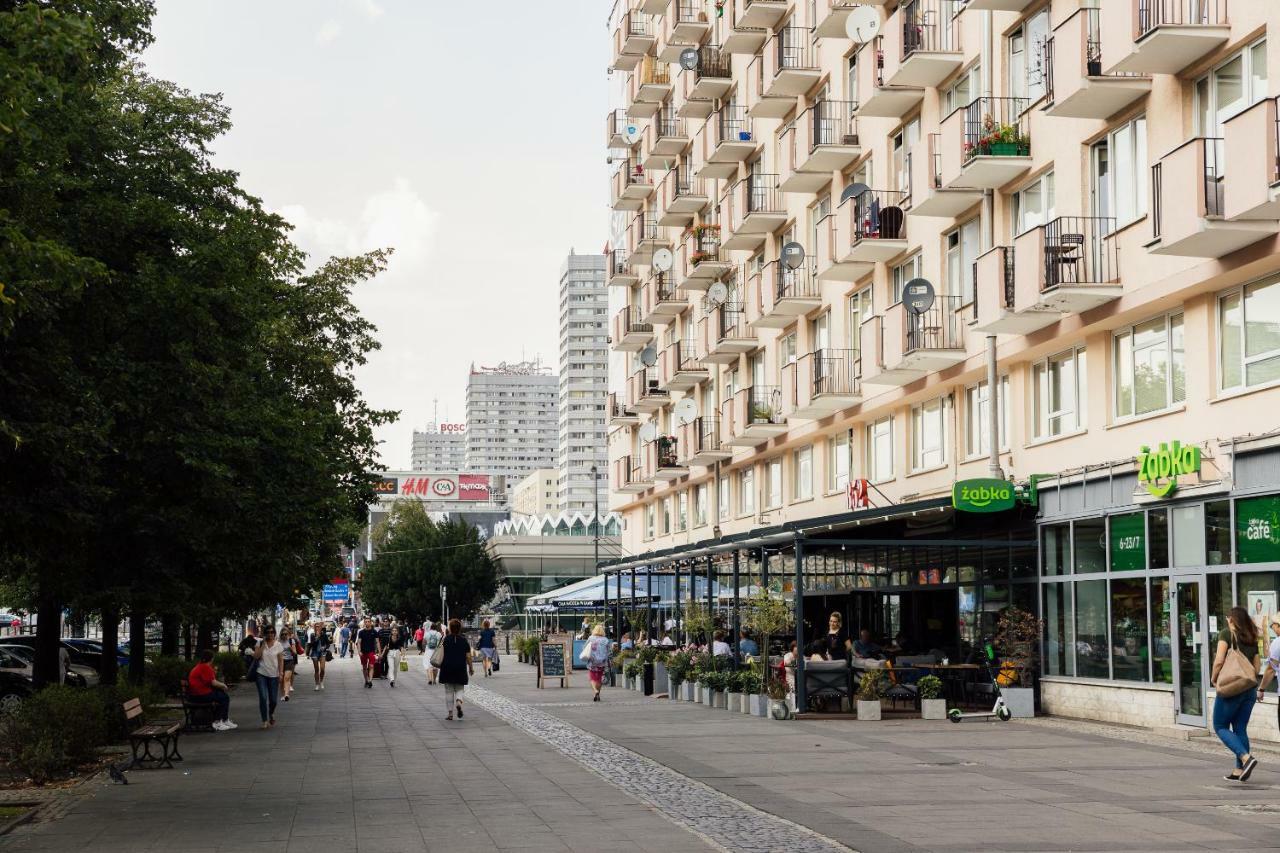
(877, 215)
(628, 320)
(644, 226)
(928, 27)
(704, 435)
(653, 74)
(1159, 13)
(996, 127)
(661, 453)
(616, 409)
(631, 172)
(798, 283)
(732, 124)
(713, 63)
(761, 194)
(636, 23)
(936, 329)
(794, 50)
(764, 405)
(732, 322)
(692, 11)
(836, 371)
(1079, 250)
(666, 126)
(618, 263)
(834, 123)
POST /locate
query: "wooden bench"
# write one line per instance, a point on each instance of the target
(198, 715)
(162, 733)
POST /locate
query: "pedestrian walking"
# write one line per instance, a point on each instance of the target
(344, 638)
(292, 650)
(395, 653)
(384, 638)
(269, 655)
(1235, 678)
(488, 647)
(370, 648)
(596, 654)
(432, 639)
(319, 650)
(455, 668)
(418, 634)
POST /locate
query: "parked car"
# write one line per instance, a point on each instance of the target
(21, 659)
(78, 656)
(92, 650)
(14, 689)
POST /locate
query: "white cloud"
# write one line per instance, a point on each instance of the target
(397, 217)
(370, 7)
(329, 31)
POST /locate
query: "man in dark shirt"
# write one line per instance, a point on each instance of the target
(384, 643)
(370, 649)
(248, 644)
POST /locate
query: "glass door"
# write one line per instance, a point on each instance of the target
(1190, 642)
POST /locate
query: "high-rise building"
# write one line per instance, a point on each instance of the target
(536, 494)
(511, 420)
(976, 314)
(584, 383)
(436, 449)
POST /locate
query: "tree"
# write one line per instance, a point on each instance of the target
(414, 556)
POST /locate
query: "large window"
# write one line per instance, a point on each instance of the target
(1128, 542)
(977, 417)
(964, 90)
(962, 251)
(904, 141)
(911, 268)
(859, 310)
(802, 473)
(1058, 394)
(1056, 549)
(1130, 649)
(747, 491)
(1150, 366)
(1027, 56)
(1091, 629)
(929, 434)
(1058, 630)
(773, 483)
(1249, 336)
(880, 450)
(837, 463)
(1231, 88)
(1034, 204)
(1120, 173)
(1088, 545)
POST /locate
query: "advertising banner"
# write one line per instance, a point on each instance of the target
(336, 592)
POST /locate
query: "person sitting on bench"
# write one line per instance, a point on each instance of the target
(203, 687)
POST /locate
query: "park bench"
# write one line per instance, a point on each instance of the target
(162, 733)
(198, 715)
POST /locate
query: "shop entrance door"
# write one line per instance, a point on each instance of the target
(1189, 665)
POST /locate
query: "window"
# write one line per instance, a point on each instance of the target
(1258, 529)
(859, 310)
(962, 251)
(837, 463)
(880, 450)
(977, 414)
(650, 513)
(1034, 204)
(1055, 550)
(682, 511)
(1120, 173)
(851, 77)
(786, 351)
(1150, 366)
(1091, 629)
(773, 482)
(964, 90)
(700, 505)
(1249, 336)
(1058, 630)
(802, 474)
(1058, 394)
(911, 268)
(1232, 87)
(666, 516)
(747, 491)
(725, 499)
(1026, 58)
(903, 141)
(1129, 644)
(929, 434)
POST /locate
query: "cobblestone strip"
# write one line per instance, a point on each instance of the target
(721, 820)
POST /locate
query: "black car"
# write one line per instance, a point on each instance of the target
(14, 689)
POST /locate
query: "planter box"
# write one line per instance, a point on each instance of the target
(736, 701)
(1005, 149)
(661, 683)
(676, 693)
(687, 690)
(719, 699)
(1021, 701)
(933, 709)
(868, 710)
(758, 705)
(706, 695)
(630, 682)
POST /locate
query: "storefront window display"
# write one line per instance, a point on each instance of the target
(1130, 646)
(1258, 529)
(1088, 542)
(1058, 630)
(1128, 542)
(1091, 629)
(1161, 624)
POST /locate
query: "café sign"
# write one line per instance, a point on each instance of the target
(983, 495)
(1158, 470)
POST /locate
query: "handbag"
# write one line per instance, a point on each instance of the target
(328, 655)
(404, 665)
(496, 660)
(1238, 673)
(437, 657)
(252, 673)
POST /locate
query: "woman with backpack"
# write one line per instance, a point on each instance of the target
(596, 654)
(1235, 677)
(432, 639)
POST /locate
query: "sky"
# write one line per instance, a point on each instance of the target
(466, 135)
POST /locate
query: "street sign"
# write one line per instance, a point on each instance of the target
(336, 592)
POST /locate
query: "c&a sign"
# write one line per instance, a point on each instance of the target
(1158, 471)
(983, 495)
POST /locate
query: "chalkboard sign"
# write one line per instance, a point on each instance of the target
(552, 663)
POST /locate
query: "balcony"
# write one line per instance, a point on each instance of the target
(760, 14)
(712, 78)
(644, 237)
(994, 302)
(616, 124)
(620, 415)
(1000, 5)
(752, 416)
(727, 141)
(648, 87)
(1196, 226)
(985, 145)
(618, 268)
(871, 228)
(902, 346)
(1068, 265)
(688, 22)
(662, 459)
(755, 209)
(786, 69)
(644, 393)
(631, 185)
(703, 261)
(739, 37)
(1251, 140)
(665, 140)
(831, 15)
(630, 333)
(660, 301)
(780, 295)
(823, 140)
(877, 99)
(687, 106)
(823, 383)
(630, 479)
(1161, 36)
(725, 334)
(680, 197)
(922, 43)
(678, 367)
(633, 38)
(1076, 86)
(699, 442)
(928, 196)
(652, 7)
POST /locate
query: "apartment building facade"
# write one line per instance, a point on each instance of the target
(582, 457)
(511, 420)
(536, 494)
(440, 447)
(1090, 190)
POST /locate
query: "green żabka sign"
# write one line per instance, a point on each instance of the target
(983, 495)
(1158, 471)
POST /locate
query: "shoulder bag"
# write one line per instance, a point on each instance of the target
(437, 657)
(1238, 673)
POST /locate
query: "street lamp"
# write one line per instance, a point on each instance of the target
(595, 521)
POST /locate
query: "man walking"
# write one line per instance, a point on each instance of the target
(370, 650)
(344, 637)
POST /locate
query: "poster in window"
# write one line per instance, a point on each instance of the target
(1261, 604)
(1258, 529)
(1128, 542)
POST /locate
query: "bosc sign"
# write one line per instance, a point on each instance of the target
(983, 495)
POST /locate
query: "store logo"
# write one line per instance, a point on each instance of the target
(1158, 472)
(982, 495)
(385, 486)
(443, 488)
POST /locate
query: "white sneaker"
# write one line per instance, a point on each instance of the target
(227, 725)
(317, 688)
(322, 685)
(219, 726)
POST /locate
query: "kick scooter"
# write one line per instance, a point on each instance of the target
(999, 711)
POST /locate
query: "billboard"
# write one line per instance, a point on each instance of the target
(452, 486)
(335, 592)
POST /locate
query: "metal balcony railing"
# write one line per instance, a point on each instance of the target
(732, 323)
(646, 379)
(798, 283)
(618, 263)
(705, 434)
(703, 244)
(631, 321)
(631, 172)
(764, 405)
(635, 23)
(616, 409)
(713, 63)
(936, 329)
(667, 126)
(762, 194)
(834, 123)
(1159, 13)
(794, 50)
(928, 27)
(1080, 250)
(836, 371)
(664, 290)
(877, 215)
(644, 226)
(662, 453)
(692, 11)
(732, 124)
(996, 127)
(685, 355)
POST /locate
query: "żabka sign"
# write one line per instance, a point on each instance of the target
(983, 495)
(1158, 472)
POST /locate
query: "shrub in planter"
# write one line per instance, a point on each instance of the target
(54, 730)
(777, 691)
(230, 665)
(932, 705)
(632, 670)
(870, 689)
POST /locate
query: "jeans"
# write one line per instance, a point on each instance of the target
(393, 663)
(268, 696)
(220, 701)
(343, 653)
(1231, 722)
(452, 695)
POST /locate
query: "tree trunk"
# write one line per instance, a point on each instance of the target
(169, 626)
(48, 667)
(137, 642)
(109, 667)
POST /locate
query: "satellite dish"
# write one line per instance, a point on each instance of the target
(689, 58)
(853, 191)
(863, 24)
(631, 134)
(662, 260)
(686, 411)
(917, 295)
(718, 293)
(649, 356)
(792, 255)
(649, 431)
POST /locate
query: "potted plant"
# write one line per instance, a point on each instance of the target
(679, 668)
(932, 706)
(870, 690)
(997, 139)
(749, 686)
(631, 672)
(761, 413)
(767, 615)
(778, 707)
(1018, 636)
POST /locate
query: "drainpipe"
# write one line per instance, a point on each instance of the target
(988, 243)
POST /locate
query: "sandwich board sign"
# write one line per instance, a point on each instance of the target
(553, 662)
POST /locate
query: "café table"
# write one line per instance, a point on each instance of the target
(956, 678)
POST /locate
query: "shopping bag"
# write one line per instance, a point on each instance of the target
(404, 665)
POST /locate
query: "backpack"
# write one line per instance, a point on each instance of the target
(433, 640)
(599, 651)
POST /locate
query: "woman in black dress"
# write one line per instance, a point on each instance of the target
(455, 667)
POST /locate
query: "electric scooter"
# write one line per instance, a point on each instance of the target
(999, 710)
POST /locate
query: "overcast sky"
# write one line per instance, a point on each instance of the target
(467, 135)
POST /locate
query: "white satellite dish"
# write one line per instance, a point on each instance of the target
(662, 260)
(686, 411)
(649, 431)
(631, 134)
(649, 356)
(718, 293)
(689, 58)
(863, 24)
